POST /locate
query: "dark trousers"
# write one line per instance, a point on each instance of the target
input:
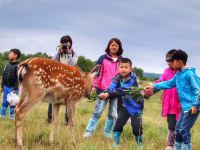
(50, 113)
(123, 116)
(183, 126)
(171, 121)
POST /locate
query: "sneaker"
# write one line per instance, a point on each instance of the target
(116, 146)
(12, 117)
(169, 148)
(3, 116)
(139, 146)
(108, 135)
(87, 134)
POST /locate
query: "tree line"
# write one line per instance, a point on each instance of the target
(84, 63)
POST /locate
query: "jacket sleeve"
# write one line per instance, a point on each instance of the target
(2, 81)
(195, 83)
(115, 91)
(166, 84)
(98, 68)
(56, 57)
(16, 81)
(73, 59)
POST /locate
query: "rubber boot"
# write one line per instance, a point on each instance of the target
(92, 124)
(186, 146)
(139, 141)
(177, 146)
(108, 128)
(116, 139)
(12, 112)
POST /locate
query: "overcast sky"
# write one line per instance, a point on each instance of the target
(147, 28)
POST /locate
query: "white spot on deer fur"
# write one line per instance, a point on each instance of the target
(35, 66)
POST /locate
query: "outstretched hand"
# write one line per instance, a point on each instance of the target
(148, 91)
(103, 96)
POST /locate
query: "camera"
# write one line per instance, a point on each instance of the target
(64, 49)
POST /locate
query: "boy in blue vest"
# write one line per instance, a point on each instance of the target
(188, 87)
(9, 81)
(130, 108)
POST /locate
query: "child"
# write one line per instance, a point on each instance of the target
(67, 56)
(170, 104)
(130, 108)
(107, 67)
(187, 84)
(9, 81)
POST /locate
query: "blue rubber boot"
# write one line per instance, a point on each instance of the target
(139, 141)
(177, 146)
(186, 146)
(92, 124)
(108, 128)
(116, 139)
(3, 111)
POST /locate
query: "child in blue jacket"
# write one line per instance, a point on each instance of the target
(130, 108)
(188, 87)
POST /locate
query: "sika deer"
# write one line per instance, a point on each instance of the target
(49, 81)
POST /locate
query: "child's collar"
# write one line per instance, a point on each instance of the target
(127, 78)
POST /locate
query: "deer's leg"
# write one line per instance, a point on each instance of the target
(71, 106)
(24, 106)
(55, 109)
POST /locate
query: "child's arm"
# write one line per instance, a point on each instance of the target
(195, 83)
(166, 84)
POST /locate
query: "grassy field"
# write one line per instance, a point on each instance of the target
(36, 131)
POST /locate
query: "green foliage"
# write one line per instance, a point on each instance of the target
(138, 71)
(85, 64)
(36, 132)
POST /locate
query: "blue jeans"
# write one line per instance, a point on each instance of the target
(112, 115)
(183, 126)
(101, 104)
(5, 103)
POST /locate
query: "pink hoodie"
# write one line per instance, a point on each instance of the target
(107, 69)
(170, 102)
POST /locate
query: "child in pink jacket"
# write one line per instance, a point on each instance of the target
(170, 104)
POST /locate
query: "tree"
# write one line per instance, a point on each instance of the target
(85, 64)
(139, 72)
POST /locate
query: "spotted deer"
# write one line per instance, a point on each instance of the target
(46, 80)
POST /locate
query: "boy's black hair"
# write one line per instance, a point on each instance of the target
(126, 60)
(120, 51)
(65, 39)
(180, 55)
(169, 55)
(17, 52)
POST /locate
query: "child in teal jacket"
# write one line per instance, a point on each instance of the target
(188, 87)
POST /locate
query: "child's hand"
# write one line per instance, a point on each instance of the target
(147, 88)
(103, 96)
(93, 89)
(193, 110)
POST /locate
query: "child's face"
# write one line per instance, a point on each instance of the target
(177, 64)
(12, 56)
(124, 69)
(169, 63)
(113, 47)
